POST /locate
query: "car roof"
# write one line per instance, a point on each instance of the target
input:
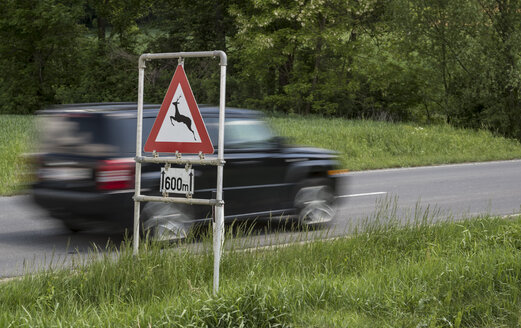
(149, 110)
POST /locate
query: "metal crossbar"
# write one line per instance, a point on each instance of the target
(176, 160)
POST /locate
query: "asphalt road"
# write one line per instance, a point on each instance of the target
(448, 192)
(29, 240)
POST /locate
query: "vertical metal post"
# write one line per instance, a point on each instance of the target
(218, 228)
(139, 133)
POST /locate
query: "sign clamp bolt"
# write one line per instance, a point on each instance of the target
(154, 152)
(201, 155)
(178, 154)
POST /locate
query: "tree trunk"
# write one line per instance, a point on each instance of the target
(101, 29)
(317, 65)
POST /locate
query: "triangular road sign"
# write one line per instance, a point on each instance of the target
(179, 125)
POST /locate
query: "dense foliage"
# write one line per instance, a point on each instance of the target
(427, 61)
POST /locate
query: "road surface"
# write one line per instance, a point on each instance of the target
(29, 240)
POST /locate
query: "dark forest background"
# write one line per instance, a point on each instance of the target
(431, 61)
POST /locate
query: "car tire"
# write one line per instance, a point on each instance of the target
(314, 203)
(165, 222)
(73, 224)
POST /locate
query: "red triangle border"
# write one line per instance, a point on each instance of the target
(204, 146)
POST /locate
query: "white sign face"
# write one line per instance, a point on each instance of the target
(177, 181)
(178, 124)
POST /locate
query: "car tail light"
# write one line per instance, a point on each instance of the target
(115, 174)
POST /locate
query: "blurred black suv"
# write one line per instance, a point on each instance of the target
(85, 171)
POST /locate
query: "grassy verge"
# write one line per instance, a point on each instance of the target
(374, 145)
(17, 136)
(362, 144)
(464, 274)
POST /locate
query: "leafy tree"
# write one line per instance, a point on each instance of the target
(441, 34)
(453, 60)
(469, 52)
(300, 53)
(495, 100)
(121, 17)
(38, 52)
(185, 25)
(108, 71)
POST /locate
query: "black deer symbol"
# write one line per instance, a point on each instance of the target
(181, 118)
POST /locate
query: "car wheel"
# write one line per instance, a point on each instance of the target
(69, 221)
(314, 203)
(73, 225)
(165, 222)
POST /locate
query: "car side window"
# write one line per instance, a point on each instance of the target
(242, 134)
(247, 134)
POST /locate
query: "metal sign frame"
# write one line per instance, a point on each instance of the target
(218, 202)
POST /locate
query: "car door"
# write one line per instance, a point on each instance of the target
(254, 171)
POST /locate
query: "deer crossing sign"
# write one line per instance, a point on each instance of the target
(179, 128)
(179, 125)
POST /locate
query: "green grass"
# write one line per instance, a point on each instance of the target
(17, 136)
(465, 274)
(367, 144)
(362, 144)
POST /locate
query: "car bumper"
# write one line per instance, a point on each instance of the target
(115, 206)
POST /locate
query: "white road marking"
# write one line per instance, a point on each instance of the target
(361, 195)
(434, 166)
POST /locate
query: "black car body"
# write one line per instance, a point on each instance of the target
(85, 173)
